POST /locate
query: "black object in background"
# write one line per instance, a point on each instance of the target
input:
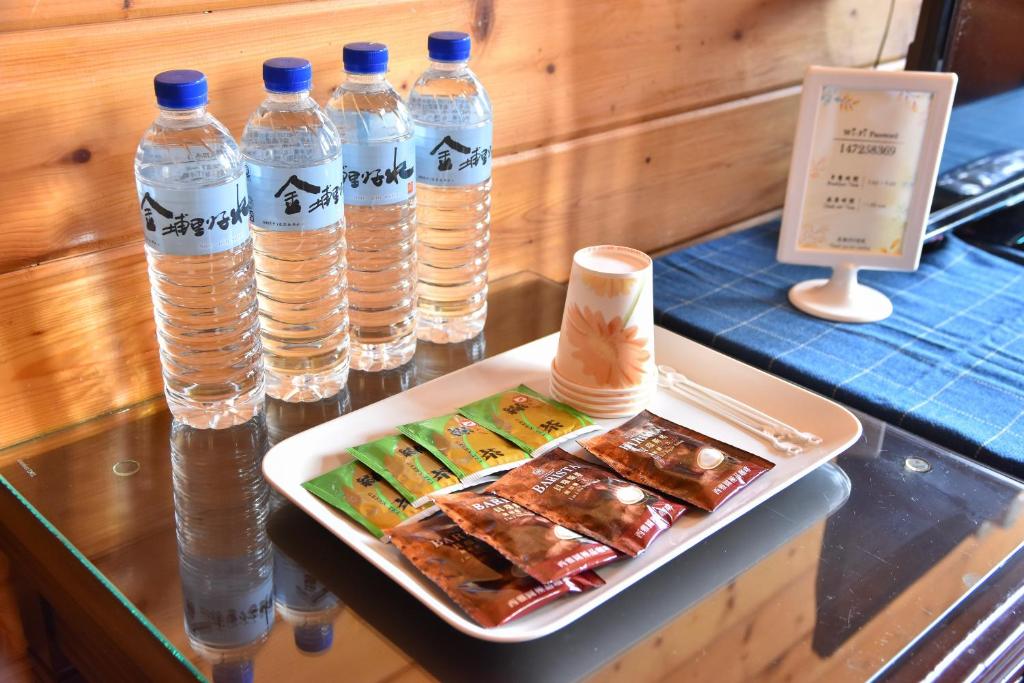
(979, 41)
(983, 200)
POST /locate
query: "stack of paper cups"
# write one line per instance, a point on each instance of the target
(605, 365)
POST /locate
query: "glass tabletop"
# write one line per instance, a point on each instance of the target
(830, 579)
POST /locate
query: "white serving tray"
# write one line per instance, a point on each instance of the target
(322, 448)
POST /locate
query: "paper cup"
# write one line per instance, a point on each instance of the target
(601, 400)
(591, 392)
(627, 409)
(607, 338)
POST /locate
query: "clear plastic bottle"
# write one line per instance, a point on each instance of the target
(379, 155)
(194, 205)
(453, 174)
(292, 153)
(221, 507)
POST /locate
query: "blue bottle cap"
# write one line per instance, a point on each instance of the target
(239, 671)
(448, 46)
(287, 74)
(365, 58)
(180, 89)
(314, 638)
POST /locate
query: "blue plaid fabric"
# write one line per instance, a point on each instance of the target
(947, 365)
(982, 127)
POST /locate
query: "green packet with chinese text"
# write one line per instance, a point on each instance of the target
(531, 421)
(413, 471)
(363, 495)
(468, 449)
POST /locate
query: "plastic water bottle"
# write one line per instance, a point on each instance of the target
(292, 154)
(379, 155)
(453, 173)
(221, 505)
(194, 206)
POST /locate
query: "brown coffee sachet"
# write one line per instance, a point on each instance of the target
(483, 583)
(675, 460)
(590, 500)
(544, 550)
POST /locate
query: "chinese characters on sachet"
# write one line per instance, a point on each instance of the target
(469, 450)
(675, 460)
(484, 584)
(540, 530)
(544, 550)
(534, 423)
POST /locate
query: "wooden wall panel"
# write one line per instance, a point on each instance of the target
(78, 336)
(77, 340)
(18, 15)
(637, 122)
(74, 100)
(645, 185)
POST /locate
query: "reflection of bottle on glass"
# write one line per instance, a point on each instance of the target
(305, 603)
(285, 419)
(435, 360)
(221, 503)
(366, 387)
(301, 599)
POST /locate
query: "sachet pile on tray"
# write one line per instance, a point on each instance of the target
(538, 532)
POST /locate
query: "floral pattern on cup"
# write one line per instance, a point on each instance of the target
(609, 352)
(606, 286)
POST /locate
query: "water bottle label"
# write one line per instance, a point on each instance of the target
(379, 172)
(292, 199)
(458, 112)
(227, 618)
(194, 222)
(453, 156)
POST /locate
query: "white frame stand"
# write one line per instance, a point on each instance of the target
(841, 298)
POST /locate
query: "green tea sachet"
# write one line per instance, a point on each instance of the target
(531, 421)
(363, 495)
(404, 464)
(469, 450)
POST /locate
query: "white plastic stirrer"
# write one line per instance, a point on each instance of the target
(777, 433)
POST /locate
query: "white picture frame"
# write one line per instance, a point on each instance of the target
(832, 133)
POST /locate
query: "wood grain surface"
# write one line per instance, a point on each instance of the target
(759, 626)
(74, 100)
(33, 14)
(78, 334)
(78, 340)
(636, 123)
(14, 663)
